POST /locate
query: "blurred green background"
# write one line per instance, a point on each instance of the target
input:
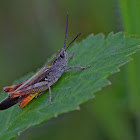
(31, 31)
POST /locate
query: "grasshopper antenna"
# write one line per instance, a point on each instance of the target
(73, 40)
(66, 31)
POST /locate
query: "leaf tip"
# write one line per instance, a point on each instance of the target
(55, 115)
(78, 108)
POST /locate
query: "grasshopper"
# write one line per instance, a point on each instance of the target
(22, 93)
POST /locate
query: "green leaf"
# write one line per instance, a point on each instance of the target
(75, 86)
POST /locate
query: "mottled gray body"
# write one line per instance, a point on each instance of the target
(45, 77)
(57, 67)
(42, 80)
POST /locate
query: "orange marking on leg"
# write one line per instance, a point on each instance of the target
(12, 88)
(26, 99)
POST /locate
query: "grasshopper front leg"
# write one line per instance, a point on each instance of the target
(71, 67)
(71, 55)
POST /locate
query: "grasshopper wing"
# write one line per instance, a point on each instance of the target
(34, 78)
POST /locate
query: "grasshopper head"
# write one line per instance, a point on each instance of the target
(62, 57)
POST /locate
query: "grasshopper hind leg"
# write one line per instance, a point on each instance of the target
(12, 87)
(26, 99)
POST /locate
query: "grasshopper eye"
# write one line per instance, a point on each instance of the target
(62, 55)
